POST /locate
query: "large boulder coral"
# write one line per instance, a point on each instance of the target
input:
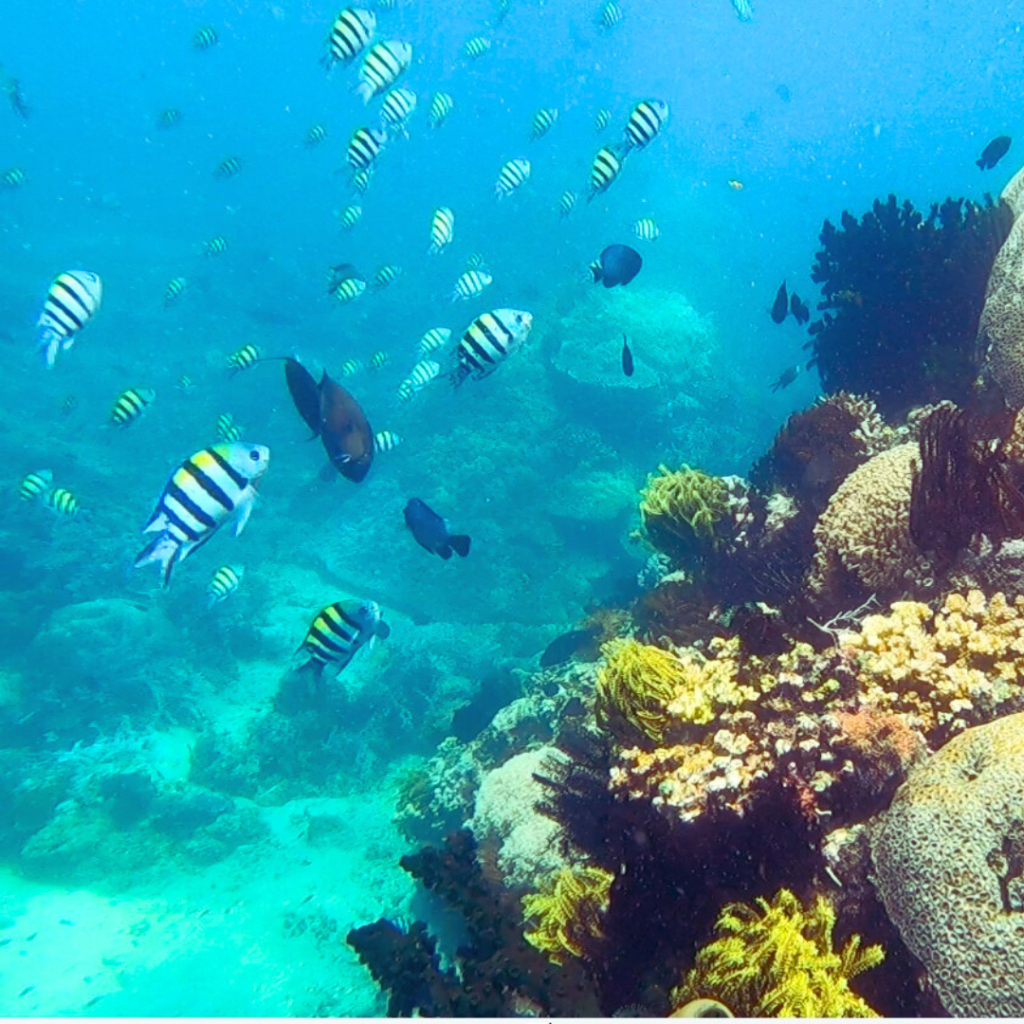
(1001, 325)
(949, 867)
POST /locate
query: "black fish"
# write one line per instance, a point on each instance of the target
(305, 395)
(566, 646)
(781, 305)
(618, 264)
(799, 309)
(786, 378)
(994, 152)
(627, 357)
(431, 531)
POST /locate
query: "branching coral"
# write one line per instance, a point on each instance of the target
(903, 290)
(777, 960)
(682, 509)
(569, 912)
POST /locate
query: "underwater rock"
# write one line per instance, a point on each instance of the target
(949, 866)
(1000, 335)
(179, 814)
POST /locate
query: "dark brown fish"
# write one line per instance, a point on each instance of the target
(627, 357)
(344, 430)
(305, 394)
(780, 308)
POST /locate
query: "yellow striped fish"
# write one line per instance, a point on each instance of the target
(168, 118)
(316, 135)
(174, 290)
(14, 178)
(350, 367)
(513, 174)
(63, 502)
(36, 485)
(386, 275)
(226, 580)
(349, 290)
(214, 486)
(470, 285)
(645, 123)
(338, 632)
(488, 341)
(378, 360)
(386, 441)
(475, 261)
(419, 377)
(227, 168)
(435, 338)
(71, 303)
(227, 429)
(244, 358)
(216, 246)
(476, 47)
(543, 121)
(440, 107)
(398, 106)
(646, 229)
(567, 203)
(350, 34)
(130, 405)
(442, 229)
(382, 66)
(361, 179)
(602, 120)
(606, 168)
(364, 147)
(204, 37)
(611, 15)
(350, 216)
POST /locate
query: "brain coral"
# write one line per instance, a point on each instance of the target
(1001, 326)
(949, 865)
(865, 530)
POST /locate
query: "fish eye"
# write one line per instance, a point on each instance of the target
(519, 318)
(254, 455)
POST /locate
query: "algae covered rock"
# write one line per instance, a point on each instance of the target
(949, 867)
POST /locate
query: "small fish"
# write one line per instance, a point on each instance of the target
(567, 203)
(475, 261)
(471, 284)
(226, 429)
(610, 14)
(398, 106)
(349, 290)
(130, 405)
(441, 105)
(605, 169)
(207, 490)
(489, 340)
(780, 307)
(627, 357)
(169, 118)
(185, 383)
(386, 275)
(216, 246)
(786, 378)
(386, 441)
(543, 121)
(442, 230)
(174, 290)
(432, 340)
(361, 180)
(337, 634)
(502, 7)
(12, 87)
(350, 216)
(68, 404)
(432, 532)
(72, 301)
(735, 184)
(315, 136)
(378, 360)
(350, 34)
(225, 582)
(602, 120)
(244, 358)
(476, 47)
(25, 991)
(743, 9)
(350, 368)
(782, 91)
(227, 168)
(513, 174)
(994, 152)
(14, 178)
(63, 502)
(419, 377)
(568, 646)
(382, 66)
(617, 265)
(645, 123)
(799, 309)
(35, 485)
(205, 37)
(646, 229)
(365, 146)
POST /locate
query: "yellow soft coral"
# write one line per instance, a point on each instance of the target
(682, 505)
(569, 913)
(777, 960)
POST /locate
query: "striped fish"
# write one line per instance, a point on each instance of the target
(315, 135)
(364, 147)
(645, 122)
(606, 168)
(70, 304)
(244, 358)
(349, 289)
(490, 339)
(476, 47)
(226, 429)
(185, 383)
(350, 216)
(610, 16)
(168, 118)
(440, 107)
(475, 261)
(227, 168)
(68, 404)
(435, 338)
(350, 34)
(513, 174)
(35, 485)
(419, 377)
(602, 120)
(386, 275)
(378, 360)
(543, 121)
(204, 37)
(361, 179)
(226, 580)
(386, 441)
(216, 246)
(646, 229)
(442, 229)
(350, 367)
(14, 178)
(214, 486)
(338, 632)
(130, 405)
(63, 502)
(567, 203)
(470, 285)
(398, 106)
(174, 290)
(382, 66)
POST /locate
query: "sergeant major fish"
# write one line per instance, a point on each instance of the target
(382, 66)
(489, 340)
(351, 32)
(338, 633)
(72, 301)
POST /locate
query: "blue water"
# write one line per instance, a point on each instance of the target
(882, 98)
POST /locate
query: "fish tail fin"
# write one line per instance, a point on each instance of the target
(981, 163)
(458, 375)
(364, 91)
(460, 543)
(299, 688)
(163, 549)
(48, 343)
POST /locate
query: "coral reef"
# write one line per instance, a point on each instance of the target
(949, 863)
(683, 510)
(905, 291)
(569, 912)
(777, 960)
